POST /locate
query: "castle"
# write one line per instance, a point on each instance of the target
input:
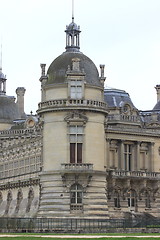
(88, 153)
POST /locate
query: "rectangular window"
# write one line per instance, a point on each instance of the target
(128, 157)
(72, 152)
(76, 89)
(79, 152)
(76, 142)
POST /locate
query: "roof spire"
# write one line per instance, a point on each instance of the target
(72, 10)
(72, 35)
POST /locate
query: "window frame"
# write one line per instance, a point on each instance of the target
(128, 156)
(76, 197)
(76, 133)
(76, 89)
(117, 199)
(131, 199)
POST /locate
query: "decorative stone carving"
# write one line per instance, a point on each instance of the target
(76, 116)
(19, 199)
(30, 199)
(9, 199)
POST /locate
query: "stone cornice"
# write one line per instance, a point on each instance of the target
(134, 131)
(20, 184)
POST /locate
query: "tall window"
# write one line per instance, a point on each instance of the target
(116, 199)
(76, 141)
(76, 197)
(76, 89)
(128, 157)
(131, 198)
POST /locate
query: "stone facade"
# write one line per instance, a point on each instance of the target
(88, 153)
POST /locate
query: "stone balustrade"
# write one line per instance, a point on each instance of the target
(72, 103)
(17, 132)
(122, 117)
(77, 166)
(135, 174)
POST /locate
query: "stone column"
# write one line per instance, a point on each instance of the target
(107, 153)
(137, 156)
(122, 155)
(151, 157)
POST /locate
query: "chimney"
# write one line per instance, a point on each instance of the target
(157, 87)
(20, 91)
(102, 77)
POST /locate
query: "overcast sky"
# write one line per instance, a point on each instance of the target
(122, 34)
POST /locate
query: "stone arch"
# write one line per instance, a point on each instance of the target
(147, 198)
(19, 200)
(9, 199)
(30, 199)
(156, 193)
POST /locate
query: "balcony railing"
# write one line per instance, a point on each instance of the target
(72, 103)
(77, 166)
(135, 174)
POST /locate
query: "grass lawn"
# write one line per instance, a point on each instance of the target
(28, 237)
(46, 238)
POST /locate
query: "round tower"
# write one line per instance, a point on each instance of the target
(72, 109)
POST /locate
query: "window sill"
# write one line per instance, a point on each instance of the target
(116, 208)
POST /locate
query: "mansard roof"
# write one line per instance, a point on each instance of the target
(117, 98)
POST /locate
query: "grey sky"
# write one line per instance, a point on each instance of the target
(122, 34)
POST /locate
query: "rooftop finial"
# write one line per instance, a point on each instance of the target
(72, 10)
(72, 34)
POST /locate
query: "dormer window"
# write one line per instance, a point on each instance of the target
(76, 89)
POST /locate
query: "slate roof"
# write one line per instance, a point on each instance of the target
(8, 109)
(157, 106)
(57, 70)
(117, 98)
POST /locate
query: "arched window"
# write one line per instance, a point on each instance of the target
(116, 199)
(76, 197)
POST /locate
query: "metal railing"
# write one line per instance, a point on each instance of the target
(72, 224)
